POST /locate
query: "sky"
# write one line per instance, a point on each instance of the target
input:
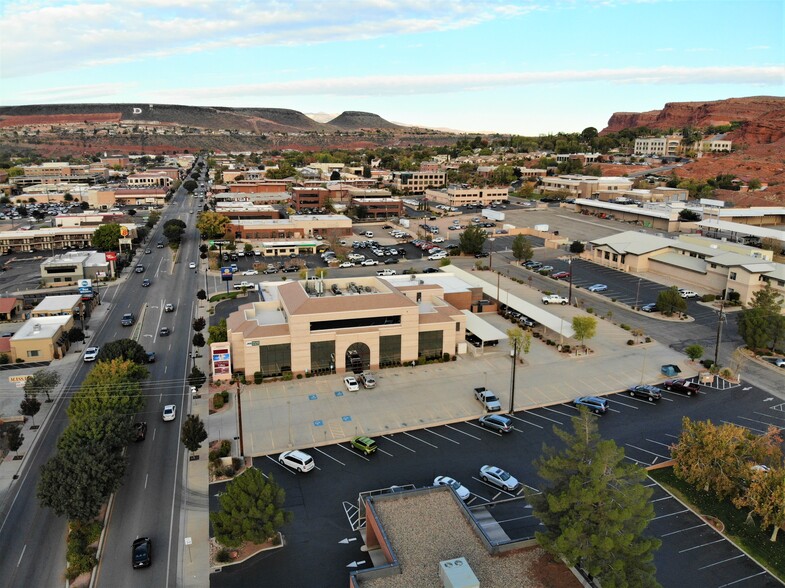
(508, 66)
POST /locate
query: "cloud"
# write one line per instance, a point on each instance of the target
(40, 37)
(391, 85)
(74, 93)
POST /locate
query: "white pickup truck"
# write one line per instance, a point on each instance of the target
(244, 284)
(554, 299)
(488, 399)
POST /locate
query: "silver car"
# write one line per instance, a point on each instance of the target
(499, 478)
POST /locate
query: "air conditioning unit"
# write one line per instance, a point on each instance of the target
(456, 573)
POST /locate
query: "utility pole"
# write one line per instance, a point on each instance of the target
(569, 296)
(719, 331)
(512, 377)
(240, 421)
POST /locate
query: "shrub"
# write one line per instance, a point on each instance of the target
(446, 357)
(707, 363)
(218, 401)
(613, 300)
(287, 376)
(726, 373)
(590, 310)
(225, 449)
(734, 297)
(237, 463)
(565, 348)
(299, 376)
(213, 455)
(708, 298)
(257, 377)
(4, 359)
(223, 556)
(648, 339)
(225, 396)
(229, 472)
(625, 327)
(630, 342)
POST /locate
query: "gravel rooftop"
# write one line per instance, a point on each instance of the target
(426, 528)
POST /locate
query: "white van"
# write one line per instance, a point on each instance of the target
(368, 234)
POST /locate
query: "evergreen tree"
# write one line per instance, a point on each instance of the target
(595, 507)
(670, 301)
(521, 249)
(193, 433)
(472, 240)
(251, 510)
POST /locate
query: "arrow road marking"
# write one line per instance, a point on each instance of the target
(348, 540)
(354, 564)
(747, 388)
(769, 399)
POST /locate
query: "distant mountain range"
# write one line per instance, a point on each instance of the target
(254, 120)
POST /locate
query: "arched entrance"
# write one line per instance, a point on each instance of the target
(358, 357)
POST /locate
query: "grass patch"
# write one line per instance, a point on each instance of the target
(224, 296)
(749, 536)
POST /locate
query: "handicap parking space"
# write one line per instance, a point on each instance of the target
(691, 548)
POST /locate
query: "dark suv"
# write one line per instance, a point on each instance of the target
(650, 393)
(141, 553)
(128, 319)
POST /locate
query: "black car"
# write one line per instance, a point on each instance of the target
(482, 254)
(145, 283)
(151, 357)
(650, 393)
(141, 554)
(140, 431)
(651, 307)
(431, 270)
(165, 332)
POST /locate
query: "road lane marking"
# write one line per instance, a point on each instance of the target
(145, 481)
(21, 555)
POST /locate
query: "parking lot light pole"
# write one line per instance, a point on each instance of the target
(637, 293)
(569, 296)
(490, 259)
(512, 376)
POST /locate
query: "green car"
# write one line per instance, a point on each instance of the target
(364, 444)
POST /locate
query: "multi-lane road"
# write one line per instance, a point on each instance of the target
(32, 538)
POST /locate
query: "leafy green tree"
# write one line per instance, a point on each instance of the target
(472, 240)
(14, 438)
(522, 250)
(212, 224)
(173, 233)
(124, 349)
(43, 380)
(77, 481)
(285, 170)
(577, 247)
(190, 185)
(193, 433)
(585, 327)
(107, 237)
(199, 324)
(687, 215)
(251, 509)
(196, 377)
(670, 301)
(694, 352)
(152, 219)
(201, 295)
(30, 406)
(595, 508)
(198, 340)
(75, 335)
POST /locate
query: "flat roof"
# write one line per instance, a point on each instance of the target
(61, 302)
(743, 229)
(482, 328)
(634, 242)
(41, 327)
(631, 209)
(694, 264)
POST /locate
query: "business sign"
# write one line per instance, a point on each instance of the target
(86, 291)
(19, 379)
(111, 256)
(123, 231)
(219, 242)
(84, 283)
(709, 202)
(226, 274)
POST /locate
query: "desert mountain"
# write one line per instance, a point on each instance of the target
(352, 120)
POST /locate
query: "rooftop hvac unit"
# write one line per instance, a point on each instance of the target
(456, 573)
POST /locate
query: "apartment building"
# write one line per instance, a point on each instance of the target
(715, 144)
(463, 195)
(149, 179)
(309, 198)
(666, 146)
(581, 186)
(416, 182)
(54, 172)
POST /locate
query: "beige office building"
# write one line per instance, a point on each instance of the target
(42, 339)
(321, 326)
(416, 182)
(465, 195)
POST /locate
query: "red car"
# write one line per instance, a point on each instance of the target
(561, 275)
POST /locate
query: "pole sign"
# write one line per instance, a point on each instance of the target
(111, 256)
(226, 274)
(218, 242)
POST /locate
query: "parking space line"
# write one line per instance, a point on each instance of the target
(394, 441)
(769, 416)
(646, 451)
(672, 436)
(658, 443)
(420, 440)
(546, 418)
(682, 530)
(442, 436)
(670, 514)
(720, 540)
(514, 519)
(627, 405)
(500, 491)
(761, 422)
(484, 429)
(761, 431)
(353, 452)
(281, 465)
(643, 463)
(463, 432)
(548, 408)
(328, 455)
(512, 416)
(716, 563)
(742, 579)
(386, 453)
(633, 398)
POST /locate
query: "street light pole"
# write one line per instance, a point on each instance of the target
(637, 292)
(569, 296)
(490, 260)
(512, 378)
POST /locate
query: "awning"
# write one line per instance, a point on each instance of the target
(482, 328)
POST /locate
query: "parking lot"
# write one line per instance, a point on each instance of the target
(324, 501)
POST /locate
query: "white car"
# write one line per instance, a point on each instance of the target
(461, 490)
(91, 353)
(250, 272)
(346, 264)
(437, 240)
(351, 384)
(297, 460)
(499, 478)
(386, 272)
(370, 262)
(437, 256)
(192, 265)
(170, 412)
(684, 293)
